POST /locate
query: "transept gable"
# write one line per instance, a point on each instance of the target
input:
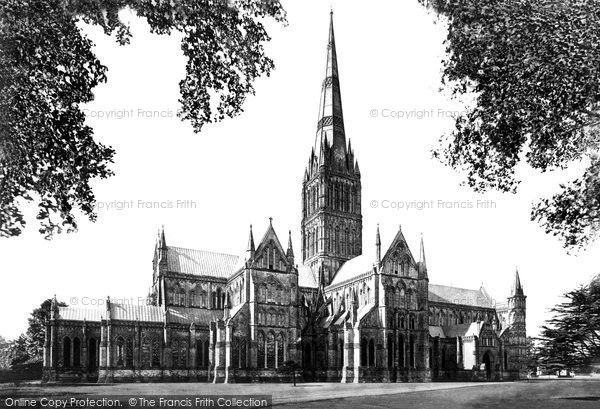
(398, 255)
(270, 252)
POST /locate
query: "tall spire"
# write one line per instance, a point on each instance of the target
(162, 240)
(517, 287)
(422, 252)
(330, 124)
(378, 244)
(251, 248)
(290, 250)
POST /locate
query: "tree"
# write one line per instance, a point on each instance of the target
(36, 332)
(5, 353)
(48, 69)
(531, 70)
(572, 336)
(29, 347)
(532, 355)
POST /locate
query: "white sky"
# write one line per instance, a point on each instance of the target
(249, 168)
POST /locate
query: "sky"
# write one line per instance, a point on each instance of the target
(207, 188)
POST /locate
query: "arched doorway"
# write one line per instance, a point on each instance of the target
(488, 361)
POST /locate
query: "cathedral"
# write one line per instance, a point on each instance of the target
(336, 311)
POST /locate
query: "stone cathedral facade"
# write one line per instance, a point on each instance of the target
(342, 312)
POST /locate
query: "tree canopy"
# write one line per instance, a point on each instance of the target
(532, 71)
(572, 336)
(29, 347)
(48, 70)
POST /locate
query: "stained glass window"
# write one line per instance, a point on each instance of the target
(242, 352)
(261, 350)
(146, 352)
(120, 351)
(235, 353)
(155, 352)
(129, 353)
(270, 350)
(175, 354)
(280, 354)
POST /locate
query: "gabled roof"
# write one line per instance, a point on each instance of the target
(460, 296)
(131, 312)
(121, 312)
(81, 313)
(185, 315)
(271, 235)
(200, 262)
(458, 330)
(399, 238)
(472, 329)
(352, 269)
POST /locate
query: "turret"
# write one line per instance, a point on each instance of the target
(251, 249)
(422, 264)
(378, 245)
(290, 251)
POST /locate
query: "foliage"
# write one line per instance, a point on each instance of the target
(532, 69)
(5, 353)
(572, 336)
(48, 69)
(29, 347)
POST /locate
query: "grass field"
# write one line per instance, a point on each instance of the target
(564, 394)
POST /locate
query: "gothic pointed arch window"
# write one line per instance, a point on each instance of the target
(120, 352)
(146, 352)
(411, 349)
(260, 353)
(199, 355)
(363, 352)
(391, 350)
(411, 322)
(171, 296)
(155, 352)
(337, 240)
(180, 297)
(175, 356)
(401, 347)
(67, 352)
(270, 350)
(371, 352)
(280, 341)
(235, 352)
(206, 353)
(76, 352)
(347, 241)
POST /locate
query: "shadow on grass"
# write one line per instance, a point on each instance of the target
(584, 398)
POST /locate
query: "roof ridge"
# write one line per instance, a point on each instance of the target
(459, 288)
(204, 251)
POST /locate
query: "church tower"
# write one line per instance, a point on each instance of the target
(331, 216)
(516, 322)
